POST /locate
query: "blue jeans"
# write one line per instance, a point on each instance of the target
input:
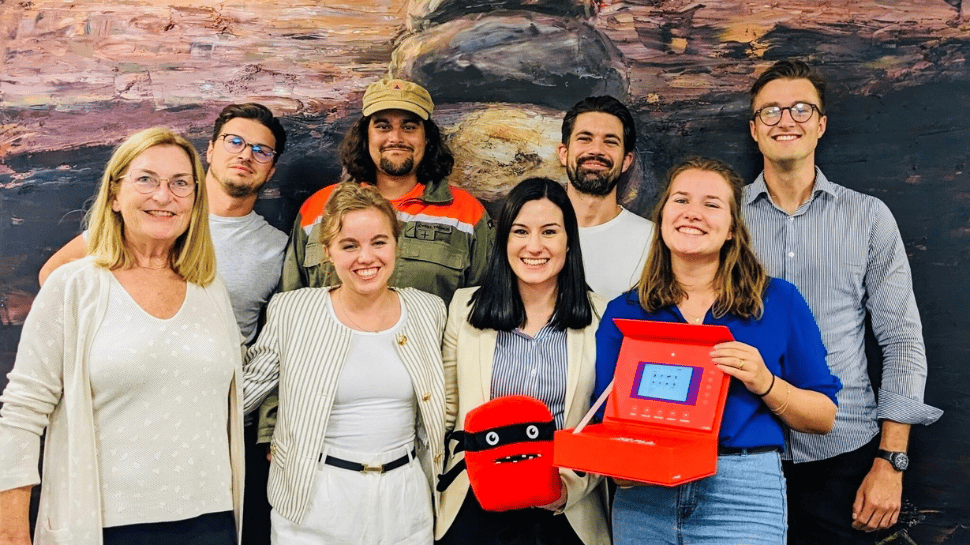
(743, 504)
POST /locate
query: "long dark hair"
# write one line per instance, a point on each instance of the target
(498, 304)
(355, 155)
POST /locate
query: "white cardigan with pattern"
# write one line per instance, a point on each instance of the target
(50, 387)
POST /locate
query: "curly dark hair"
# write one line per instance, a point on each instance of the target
(355, 156)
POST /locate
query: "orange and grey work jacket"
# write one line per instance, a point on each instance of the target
(445, 243)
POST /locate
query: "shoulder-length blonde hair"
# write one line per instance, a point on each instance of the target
(740, 280)
(192, 256)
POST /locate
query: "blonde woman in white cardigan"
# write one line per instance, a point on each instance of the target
(360, 431)
(130, 359)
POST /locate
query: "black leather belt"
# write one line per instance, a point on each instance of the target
(735, 451)
(365, 468)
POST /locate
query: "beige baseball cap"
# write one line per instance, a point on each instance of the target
(397, 94)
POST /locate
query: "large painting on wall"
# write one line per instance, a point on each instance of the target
(77, 78)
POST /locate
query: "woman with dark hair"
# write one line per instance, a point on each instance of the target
(702, 270)
(529, 330)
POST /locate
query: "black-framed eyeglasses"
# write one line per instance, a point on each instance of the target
(800, 113)
(148, 182)
(235, 144)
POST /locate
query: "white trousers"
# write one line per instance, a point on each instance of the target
(353, 508)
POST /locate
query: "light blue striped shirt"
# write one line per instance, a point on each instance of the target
(843, 251)
(532, 366)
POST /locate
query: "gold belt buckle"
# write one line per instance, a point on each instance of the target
(372, 469)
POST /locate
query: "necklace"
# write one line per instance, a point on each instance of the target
(346, 312)
(690, 317)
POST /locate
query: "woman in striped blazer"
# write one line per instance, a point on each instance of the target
(529, 330)
(360, 431)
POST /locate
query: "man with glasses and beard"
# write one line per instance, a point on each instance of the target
(598, 138)
(247, 141)
(395, 146)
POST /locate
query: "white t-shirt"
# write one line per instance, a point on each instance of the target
(615, 252)
(374, 409)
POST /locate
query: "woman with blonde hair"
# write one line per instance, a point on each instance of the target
(130, 359)
(701, 270)
(360, 429)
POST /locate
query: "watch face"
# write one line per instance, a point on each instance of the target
(900, 461)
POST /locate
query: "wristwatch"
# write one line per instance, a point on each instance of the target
(899, 460)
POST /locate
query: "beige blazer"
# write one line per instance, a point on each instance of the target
(467, 355)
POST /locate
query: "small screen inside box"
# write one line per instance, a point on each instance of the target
(671, 383)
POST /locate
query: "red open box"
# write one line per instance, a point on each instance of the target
(664, 413)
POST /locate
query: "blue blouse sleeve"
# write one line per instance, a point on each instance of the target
(608, 340)
(804, 362)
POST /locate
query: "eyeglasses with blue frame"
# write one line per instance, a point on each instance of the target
(235, 144)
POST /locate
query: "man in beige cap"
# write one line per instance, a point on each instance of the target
(447, 235)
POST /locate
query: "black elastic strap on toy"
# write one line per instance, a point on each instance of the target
(448, 477)
(507, 435)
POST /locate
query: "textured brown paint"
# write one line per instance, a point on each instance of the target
(78, 77)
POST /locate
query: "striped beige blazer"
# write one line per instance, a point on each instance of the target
(467, 354)
(303, 350)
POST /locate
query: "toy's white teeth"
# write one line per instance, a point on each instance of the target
(517, 458)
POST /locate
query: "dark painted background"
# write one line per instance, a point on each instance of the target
(899, 128)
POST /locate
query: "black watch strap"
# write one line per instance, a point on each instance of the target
(899, 460)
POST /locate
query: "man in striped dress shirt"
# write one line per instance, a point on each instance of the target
(844, 252)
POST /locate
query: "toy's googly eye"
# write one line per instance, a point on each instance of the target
(532, 431)
(491, 438)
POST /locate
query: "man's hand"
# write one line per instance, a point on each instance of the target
(879, 499)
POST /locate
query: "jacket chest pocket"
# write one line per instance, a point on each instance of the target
(432, 258)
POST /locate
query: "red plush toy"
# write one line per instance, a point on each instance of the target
(508, 453)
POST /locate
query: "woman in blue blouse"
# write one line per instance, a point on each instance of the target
(702, 270)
